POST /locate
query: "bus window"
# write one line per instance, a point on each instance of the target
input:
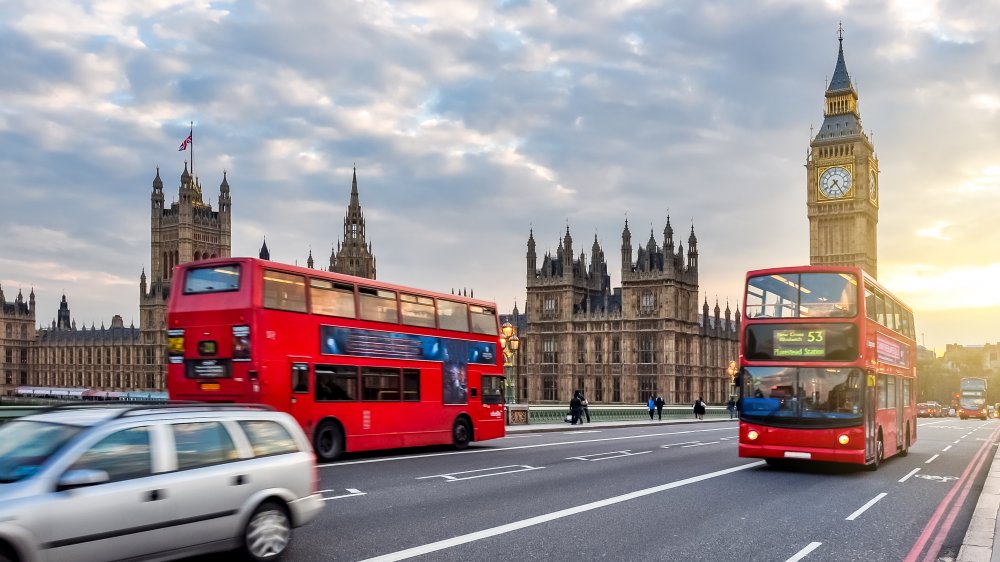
(484, 320)
(870, 304)
(336, 383)
(890, 314)
(284, 291)
(417, 310)
(453, 316)
(879, 309)
(883, 397)
(411, 385)
(300, 378)
(378, 383)
(331, 299)
(378, 305)
(215, 279)
(828, 295)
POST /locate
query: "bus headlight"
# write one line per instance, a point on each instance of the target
(843, 439)
(752, 435)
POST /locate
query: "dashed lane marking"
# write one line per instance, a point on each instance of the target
(908, 475)
(804, 552)
(351, 493)
(492, 471)
(928, 461)
(865, 507)
(606, 456)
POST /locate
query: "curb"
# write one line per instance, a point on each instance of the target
(980, 539)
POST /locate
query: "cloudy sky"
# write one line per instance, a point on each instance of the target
(472, 122)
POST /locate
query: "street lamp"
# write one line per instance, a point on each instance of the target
(731, 370)
(509, 342)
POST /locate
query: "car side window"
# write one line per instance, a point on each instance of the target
(202, 444)
(268, 437)
(124, 454)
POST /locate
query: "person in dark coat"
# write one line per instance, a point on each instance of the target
(699, 408)
(731, 406)
(576, 408)
(659, 407)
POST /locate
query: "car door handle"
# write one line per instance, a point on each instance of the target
(156, 495)
(239, 480)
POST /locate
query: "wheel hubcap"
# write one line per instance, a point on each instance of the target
(461, 433)
(268, 534)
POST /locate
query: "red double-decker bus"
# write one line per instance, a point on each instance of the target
(827, 368)
(972, 398)
(361, 364)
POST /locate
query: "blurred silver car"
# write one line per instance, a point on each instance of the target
(153, 483)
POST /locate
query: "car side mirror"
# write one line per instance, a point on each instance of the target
(82, 477)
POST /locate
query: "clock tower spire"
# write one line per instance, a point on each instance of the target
(842, 180)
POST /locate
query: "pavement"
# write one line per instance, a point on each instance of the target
(982, 539)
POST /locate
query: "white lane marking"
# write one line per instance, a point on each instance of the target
(523, 435)
(516, 447)
(539, 519)
(604, 457)
(946, 448)
(935, 478)
(865, 507)
(678, 444)
(450, 477)
(579, 431)
(804, 552)
(908, 475)
(956, 442)
(351, 493)
(700, 444)
(928, 461)
(933, 423)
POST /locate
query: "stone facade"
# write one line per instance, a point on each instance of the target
(354, 256)
(842, 181)
(621, 345)
(17, 339)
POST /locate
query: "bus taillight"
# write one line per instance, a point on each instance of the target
(241, 343)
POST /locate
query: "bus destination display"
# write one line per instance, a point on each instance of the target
(799, 343)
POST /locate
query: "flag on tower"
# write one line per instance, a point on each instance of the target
(184, 144)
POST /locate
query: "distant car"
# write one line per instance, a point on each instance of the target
(923, 410)
(951, 412)
(153, 482)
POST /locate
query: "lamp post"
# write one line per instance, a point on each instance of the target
(731, 370)
(509, 342)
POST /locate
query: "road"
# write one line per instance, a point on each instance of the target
(676, 492)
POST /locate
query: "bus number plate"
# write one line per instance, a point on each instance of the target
(210, 386)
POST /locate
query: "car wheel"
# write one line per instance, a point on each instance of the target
(461, 434)
(879, 455)
(328, 441)
(267, 533)
(7, 554)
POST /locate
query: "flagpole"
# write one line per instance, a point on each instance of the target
(191, 136)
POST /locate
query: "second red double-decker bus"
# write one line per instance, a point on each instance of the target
(972, 398)
(827, 368)
(361, 364)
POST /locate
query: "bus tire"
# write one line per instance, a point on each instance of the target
(776, 463)
(328, 441)
(879, 454)
(461, 433)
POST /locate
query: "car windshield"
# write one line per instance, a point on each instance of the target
(26, 445)
(808, 395)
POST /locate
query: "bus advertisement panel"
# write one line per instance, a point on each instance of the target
(826, 368)
(361, 364)
(972, 398)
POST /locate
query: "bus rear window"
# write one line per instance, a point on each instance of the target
(484, 320)
(215, 279)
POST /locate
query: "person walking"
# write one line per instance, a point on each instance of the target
(576, 408)
(659, 407)
(651, 404)
(731, 406)
(585, 405)
(699, 409)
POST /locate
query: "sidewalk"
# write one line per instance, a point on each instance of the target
(982, 541)
(551, 427)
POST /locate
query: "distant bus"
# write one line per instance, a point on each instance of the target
(361, 364)
(972, 398)
(827, 368)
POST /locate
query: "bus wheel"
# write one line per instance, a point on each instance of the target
(328, 441)
(461, 433)
(879, 454)
(777, 463)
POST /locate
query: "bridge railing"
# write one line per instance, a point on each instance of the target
(533, 414)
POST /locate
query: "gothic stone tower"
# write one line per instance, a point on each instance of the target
(842, 181)
(187, 230)
(354, 256)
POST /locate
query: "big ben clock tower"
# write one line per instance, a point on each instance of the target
(842, 181)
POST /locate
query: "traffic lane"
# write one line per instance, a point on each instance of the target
(775, 513)
(416, 511)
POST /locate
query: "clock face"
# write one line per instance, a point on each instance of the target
(872, 188)
(835, 182)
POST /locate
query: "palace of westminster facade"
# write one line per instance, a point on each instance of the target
(618, 345)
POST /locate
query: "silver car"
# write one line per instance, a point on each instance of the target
(153, 483)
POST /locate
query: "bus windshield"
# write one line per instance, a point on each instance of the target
(806, 395)
(805, 295)
(215, 279)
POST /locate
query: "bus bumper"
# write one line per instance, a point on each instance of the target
(822, 454)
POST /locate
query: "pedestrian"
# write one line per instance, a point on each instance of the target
(731, 406)
(659, 407)
(576, 408)
(651, 404)
(586, 410)
(699, 408)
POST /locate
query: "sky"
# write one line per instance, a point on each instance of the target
(473, 123)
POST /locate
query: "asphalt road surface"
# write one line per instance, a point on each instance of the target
(648, 493)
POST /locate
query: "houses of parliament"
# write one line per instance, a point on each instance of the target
(617, 344)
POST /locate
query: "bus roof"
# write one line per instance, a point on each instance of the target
(341, 277)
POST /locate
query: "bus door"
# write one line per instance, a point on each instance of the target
(871, 415)
(300, 385)
(901, 403)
